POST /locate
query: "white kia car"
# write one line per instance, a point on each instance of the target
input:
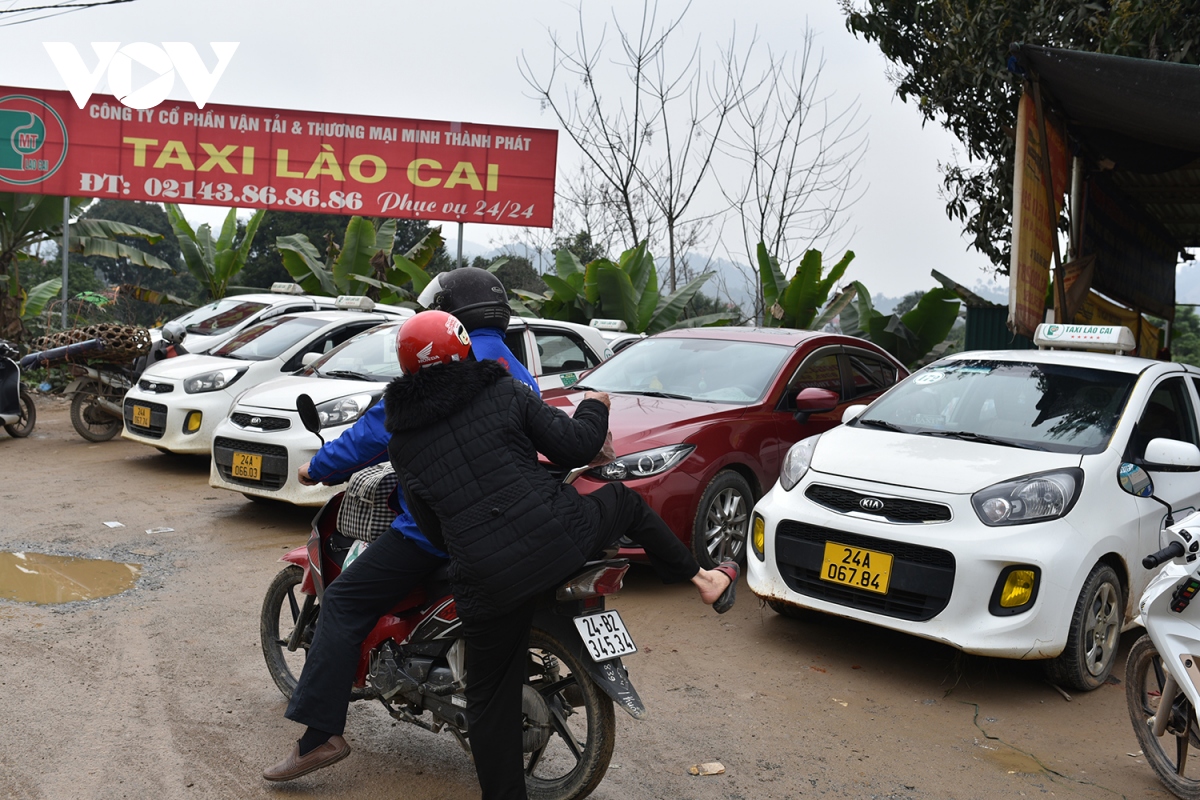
(178, 402)
(259, 446)
(977, 502)
(209, 325)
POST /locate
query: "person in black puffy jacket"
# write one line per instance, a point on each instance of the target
(465, 439)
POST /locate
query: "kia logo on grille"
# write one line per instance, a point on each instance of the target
(871, 504)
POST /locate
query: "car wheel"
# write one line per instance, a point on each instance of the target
(722, 520)
(1095, 633)
(790, 611)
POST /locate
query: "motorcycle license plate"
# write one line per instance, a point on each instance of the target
(855, 566)
(247, 465)
(604, 636)
(141, 416)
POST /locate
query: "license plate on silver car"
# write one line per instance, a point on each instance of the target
(604, 636)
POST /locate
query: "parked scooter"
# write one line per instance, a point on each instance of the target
(18, 414)
(413, 660)
(1162, 673)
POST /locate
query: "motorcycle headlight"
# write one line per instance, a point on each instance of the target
(344, 410)
(643, 464)
(796, 462)
(212, 381)
(1033, 498)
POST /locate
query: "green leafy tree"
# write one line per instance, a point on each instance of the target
(27, 220)
(911, 336)
(581, 245)
(794, 303)
(1185, 336)
(950, 58)
(363, 263)
(626, 289)
(214, 262)
(515, 272)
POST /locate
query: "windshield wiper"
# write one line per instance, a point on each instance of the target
(969, 436)
(666, 395)
(346, 373)
(879, 423)
(583, 388)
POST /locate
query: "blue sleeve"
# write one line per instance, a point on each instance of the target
(488, 343)
(362, 445)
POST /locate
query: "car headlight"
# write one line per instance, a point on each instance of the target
(212, 381)
(796, 462)
(344, 410)
(1033, 498)
(643, 464)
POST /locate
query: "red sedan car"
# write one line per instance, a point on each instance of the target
(701, 419)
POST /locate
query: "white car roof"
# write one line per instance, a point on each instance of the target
(1106, 361)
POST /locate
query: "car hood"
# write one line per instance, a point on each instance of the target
(637, 423)
(281, 394)
(926, 462)
(184, 367)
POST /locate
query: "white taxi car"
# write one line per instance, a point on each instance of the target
(177, 402)
(258, 447)
(209, 325)
(977, 503)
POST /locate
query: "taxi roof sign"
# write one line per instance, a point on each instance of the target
(285, 287)
(354, 302)
(1117, 338)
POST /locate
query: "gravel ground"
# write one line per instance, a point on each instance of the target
(161, 692)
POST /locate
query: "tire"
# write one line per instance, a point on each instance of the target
(1095, 633)
(722, 520)
(791, 611)
(280, 609)
(578, 709)
(24, 426)
(1144, 679)
(90, 420)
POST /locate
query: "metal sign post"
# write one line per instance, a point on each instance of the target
(66, 241)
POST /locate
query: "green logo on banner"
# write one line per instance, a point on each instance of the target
(29, 151)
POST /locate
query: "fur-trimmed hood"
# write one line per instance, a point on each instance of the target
(436, 392)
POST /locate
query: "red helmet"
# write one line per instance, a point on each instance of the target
(431, 337)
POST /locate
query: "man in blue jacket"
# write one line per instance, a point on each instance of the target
(395, 563)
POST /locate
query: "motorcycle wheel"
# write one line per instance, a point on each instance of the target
(280, 610)
(24, 426)
(1167, 755)
(569, 759)
(90, 420)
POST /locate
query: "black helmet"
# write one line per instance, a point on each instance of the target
(474, 295)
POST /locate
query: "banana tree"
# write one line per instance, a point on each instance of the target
(626, 290)
(911, 337)
(27, 220)
(363, 263)
(214, 262)
(795, 303)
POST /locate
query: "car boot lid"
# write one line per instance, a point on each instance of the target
(937, 464)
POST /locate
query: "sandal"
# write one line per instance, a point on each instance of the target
(725, 601)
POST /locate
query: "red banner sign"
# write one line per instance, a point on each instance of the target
(268, 158)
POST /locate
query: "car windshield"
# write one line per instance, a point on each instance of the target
(1053, 407)
(369, 356)
(710, 370)
(220, 316)
(269, 339)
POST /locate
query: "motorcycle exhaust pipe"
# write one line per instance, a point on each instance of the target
(110, 407)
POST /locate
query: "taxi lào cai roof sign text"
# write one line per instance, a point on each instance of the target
(269, 158)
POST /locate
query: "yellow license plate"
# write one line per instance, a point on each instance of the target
(247, 465)
(853, 566)
(141, 416)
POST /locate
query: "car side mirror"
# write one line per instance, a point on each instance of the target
(814, 401)
(309, 416)
(308, 359)
(1171, 455)
(852, 413)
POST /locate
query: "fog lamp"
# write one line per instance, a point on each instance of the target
(1016, 590)
(192, 423)
(758, 537)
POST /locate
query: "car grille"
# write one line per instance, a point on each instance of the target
(158, 418)
(893, 509)
(259, 422)
(921, 582)
(274, 462)
(156, 387)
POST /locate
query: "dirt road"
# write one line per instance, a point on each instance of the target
(161, 691)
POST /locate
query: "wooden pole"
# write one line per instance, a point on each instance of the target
(1060, 285)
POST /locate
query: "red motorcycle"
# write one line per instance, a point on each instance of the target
(412, 661)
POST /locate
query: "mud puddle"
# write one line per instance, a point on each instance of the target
(45, 579)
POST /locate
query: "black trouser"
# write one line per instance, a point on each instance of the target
(497, 647)
(373, 583)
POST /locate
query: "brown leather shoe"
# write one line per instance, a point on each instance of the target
(296, 765)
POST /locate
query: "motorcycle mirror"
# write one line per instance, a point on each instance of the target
(309, 416)
(173, 332)
(1134, 480)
